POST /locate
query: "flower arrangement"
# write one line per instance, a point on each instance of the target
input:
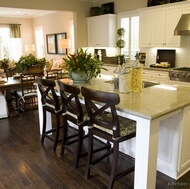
(83, 62)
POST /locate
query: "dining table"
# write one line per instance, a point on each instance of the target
(9, 85)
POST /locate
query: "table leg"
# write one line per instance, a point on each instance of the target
(146, 153)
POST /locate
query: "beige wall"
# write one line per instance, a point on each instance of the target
(124, 5)
(57, 22)
(80, 8)
(26, 28)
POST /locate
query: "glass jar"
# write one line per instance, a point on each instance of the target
(137, 71)
(125, 78)
(116, 74)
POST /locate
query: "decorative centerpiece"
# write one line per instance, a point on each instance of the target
(120, 44)
(30, 64)
(82, 66)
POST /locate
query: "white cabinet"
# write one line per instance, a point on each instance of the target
(145, 25)
(184, 159)
(156, 76)
(157, 26)
(102, 31)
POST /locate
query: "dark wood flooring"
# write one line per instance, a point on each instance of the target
(26, 163)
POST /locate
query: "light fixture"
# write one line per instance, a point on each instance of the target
(64, 44)
(30, 48)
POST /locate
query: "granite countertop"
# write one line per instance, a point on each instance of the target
(151, 103)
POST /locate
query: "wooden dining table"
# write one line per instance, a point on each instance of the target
(9, 85)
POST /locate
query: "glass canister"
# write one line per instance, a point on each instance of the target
(137, 71)
(125, 78)
(116, 74)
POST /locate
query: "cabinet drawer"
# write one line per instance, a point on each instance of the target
(147, 73)
(161, 74)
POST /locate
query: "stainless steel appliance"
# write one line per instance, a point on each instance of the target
(180, 74)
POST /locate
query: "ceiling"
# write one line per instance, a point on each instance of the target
(22, 13)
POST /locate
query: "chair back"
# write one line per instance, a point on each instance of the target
(70, 102)
(49, 97)
(28, 85)
(101, 110)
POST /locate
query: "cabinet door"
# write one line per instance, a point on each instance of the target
(159, 27)
(102, 31)
(172, 18)
(145, 29)
(184, 161)
(92, 34)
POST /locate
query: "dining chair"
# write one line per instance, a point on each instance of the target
(51, 104)
(26, 97)
(74, 118)
(104, 122)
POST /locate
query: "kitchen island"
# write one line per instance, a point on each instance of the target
(162, 114)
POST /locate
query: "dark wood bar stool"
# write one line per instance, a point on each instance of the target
(104, 122)
(50, 103)
(73, 116)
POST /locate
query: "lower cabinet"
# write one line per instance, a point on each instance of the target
(173, 146)
(156, 76)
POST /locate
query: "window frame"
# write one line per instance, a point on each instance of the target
(129, 15)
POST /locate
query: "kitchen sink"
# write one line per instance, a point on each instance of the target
(145, 83)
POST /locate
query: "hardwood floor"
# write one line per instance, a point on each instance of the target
(26, 163)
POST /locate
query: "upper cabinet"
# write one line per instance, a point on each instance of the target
(102, 31)
(157, 26)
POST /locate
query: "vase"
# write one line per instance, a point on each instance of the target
(79, 77)
(33, 70)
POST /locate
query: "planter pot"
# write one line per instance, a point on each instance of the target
(33, 70)
(79, 77)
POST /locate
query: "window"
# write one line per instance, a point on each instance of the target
(130, 22)
(9, 47)
(39, 41)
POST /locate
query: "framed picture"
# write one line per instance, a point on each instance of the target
(51, 44)
(61, 43)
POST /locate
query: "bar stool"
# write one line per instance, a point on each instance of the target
(73, 116)
(104, 123)
(50, 103)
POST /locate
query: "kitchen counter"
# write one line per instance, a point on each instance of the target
(152, 102)
(162, 114)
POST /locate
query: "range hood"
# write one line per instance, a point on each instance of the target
(183, 26)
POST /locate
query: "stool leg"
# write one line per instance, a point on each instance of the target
(65, 130)
(56, 132)
(44, 126)
(114, 165)
(79, 147)
(90, 151)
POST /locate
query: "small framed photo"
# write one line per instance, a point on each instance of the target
(61, 43)
(51, 43)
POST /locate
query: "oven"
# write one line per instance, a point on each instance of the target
(180, 74)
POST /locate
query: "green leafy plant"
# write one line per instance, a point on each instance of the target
(4, 63)
(29, 61)
(120, 43)
(83, 62)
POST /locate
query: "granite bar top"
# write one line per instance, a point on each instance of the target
(152, 102)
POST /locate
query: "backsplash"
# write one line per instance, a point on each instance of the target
(182, 53)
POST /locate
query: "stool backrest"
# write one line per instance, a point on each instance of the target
(70, 102)
(48, 94)
(101, 110)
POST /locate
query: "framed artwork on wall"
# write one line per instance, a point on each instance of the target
(51, 43)
(61, 43)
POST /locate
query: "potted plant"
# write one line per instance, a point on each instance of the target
(30, 64)
(120, 44)
(82, 66)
